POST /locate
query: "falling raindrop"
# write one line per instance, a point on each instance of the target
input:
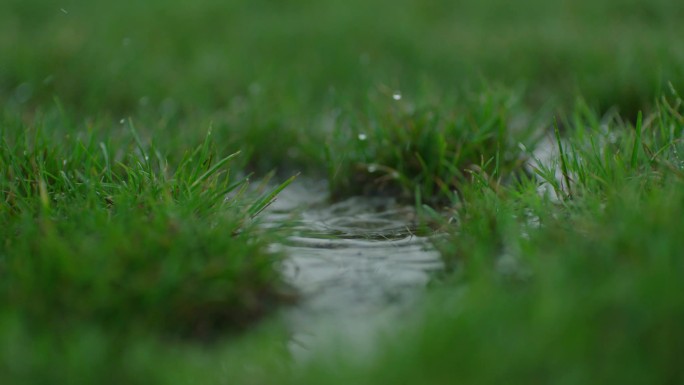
(396, 95)
(64, 11)
(122, 121)
(362, 136)
(372, 168)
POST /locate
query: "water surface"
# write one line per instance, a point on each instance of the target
(357, 264)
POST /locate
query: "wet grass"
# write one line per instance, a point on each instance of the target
(129, 253)
(592, 299)
(576, 284)
(427, 152)
(101, 233)
(261, 69)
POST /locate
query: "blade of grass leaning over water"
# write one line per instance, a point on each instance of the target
(267, 199)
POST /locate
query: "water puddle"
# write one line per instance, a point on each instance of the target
(357, 264)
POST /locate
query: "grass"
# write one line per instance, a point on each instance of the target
(129, 133)
(582, 288)
(588, 300)
(427, 152)
(103, 234)
(257, 70)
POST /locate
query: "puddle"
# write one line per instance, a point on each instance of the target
(357, 264)
(546, 155)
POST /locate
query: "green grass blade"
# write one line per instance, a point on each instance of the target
(264, 202)
(637, 142)
(213, 169)
(563, 159)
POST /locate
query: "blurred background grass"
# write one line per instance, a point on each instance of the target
(174, 56)
(269, 69)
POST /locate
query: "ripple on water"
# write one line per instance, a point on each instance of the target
(357, 264)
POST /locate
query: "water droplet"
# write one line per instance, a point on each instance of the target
(363, 136)
(372, 168)
(396, 95)
(122, 121)
(64, 11)
(64, 162)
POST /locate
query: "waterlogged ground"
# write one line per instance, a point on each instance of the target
(357, 263)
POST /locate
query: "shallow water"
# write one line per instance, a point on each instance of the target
(357, 264)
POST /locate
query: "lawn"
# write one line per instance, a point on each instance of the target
(140, 142)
